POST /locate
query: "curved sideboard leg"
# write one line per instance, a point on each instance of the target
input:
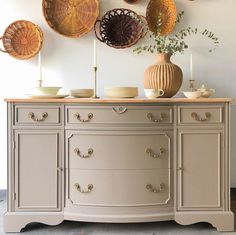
(14, 221)
(222, 221)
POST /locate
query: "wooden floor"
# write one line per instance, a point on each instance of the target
(78, 228)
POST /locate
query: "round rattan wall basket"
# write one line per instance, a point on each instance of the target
(164, 8)
(71, 18)
(120, 28)
(22, 39)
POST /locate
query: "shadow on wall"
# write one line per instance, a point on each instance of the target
(233, 146)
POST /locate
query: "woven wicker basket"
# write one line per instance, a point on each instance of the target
(22, 39)
(71, 18)
(167, 9)
(131, 1)
(119, 28)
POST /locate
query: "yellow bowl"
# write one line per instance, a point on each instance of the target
(46, 90)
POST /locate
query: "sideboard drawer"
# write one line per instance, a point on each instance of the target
(119, 149)
(119, 188)
(37, 115)
(130, 115)
(200, 114)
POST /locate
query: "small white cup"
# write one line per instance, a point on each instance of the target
(153, 93)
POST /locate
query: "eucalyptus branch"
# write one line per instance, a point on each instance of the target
(174, 43)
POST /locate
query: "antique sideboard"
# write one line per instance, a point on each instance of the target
(118, 161)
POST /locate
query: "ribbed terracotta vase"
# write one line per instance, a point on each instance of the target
(164, 75)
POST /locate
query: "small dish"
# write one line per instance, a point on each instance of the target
(33, 96)
(82, 93)
(153, 93)
(121, 92)
(192, 94)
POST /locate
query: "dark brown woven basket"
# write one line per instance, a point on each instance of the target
(71, 18)
(119, 28)
(22, 39)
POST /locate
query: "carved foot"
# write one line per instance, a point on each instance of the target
(14, 222)
(222, 221)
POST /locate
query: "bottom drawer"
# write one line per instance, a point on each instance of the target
(119, 187)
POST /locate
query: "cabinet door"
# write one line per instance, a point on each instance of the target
(37, 179)
(200, 170)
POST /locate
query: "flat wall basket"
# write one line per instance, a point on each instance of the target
(120, 28)
(22, 39)
(71, 18)
(164, 8)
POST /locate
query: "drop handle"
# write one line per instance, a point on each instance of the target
(90, 152)
(88, 190)
(153, 189)
(35, 119)
(200, 119)
(78, 117)
(151, 117)
(151, 153)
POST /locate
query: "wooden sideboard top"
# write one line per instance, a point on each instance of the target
(121, 100)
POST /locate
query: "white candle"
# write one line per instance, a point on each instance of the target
(94, 53)
(191, 66)
(40, 66)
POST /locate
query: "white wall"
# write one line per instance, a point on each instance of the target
(67, 62)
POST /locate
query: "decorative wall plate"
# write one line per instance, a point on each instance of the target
(120, 28)
(22, 39)
(167, 9)
(71, 18)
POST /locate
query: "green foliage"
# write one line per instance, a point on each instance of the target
(174, 43)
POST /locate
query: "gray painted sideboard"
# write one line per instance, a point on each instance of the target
(118, 161)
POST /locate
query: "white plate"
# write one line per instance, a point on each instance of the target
(46, 96)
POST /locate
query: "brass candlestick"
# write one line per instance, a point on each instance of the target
(40, 81)
(95, 68)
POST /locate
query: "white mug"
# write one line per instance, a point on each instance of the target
(153, 93)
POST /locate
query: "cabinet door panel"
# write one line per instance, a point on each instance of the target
(199, 166)
(37, 177)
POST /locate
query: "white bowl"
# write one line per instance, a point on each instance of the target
(121, 92)
(192, 94)
(153, 93)
(82, 93)
(46, 90)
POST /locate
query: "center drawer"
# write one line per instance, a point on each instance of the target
(118, 149)
(119, 187)
(130, 115)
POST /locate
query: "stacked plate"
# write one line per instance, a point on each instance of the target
(121, 92)
(82, 93)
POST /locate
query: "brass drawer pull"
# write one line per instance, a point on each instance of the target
(119, 110)
(77, 116)
(90, 152)
(151, 153)
(90, 187)
(152, 189)
(151, 117)
(198, 118)
(35, 119)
